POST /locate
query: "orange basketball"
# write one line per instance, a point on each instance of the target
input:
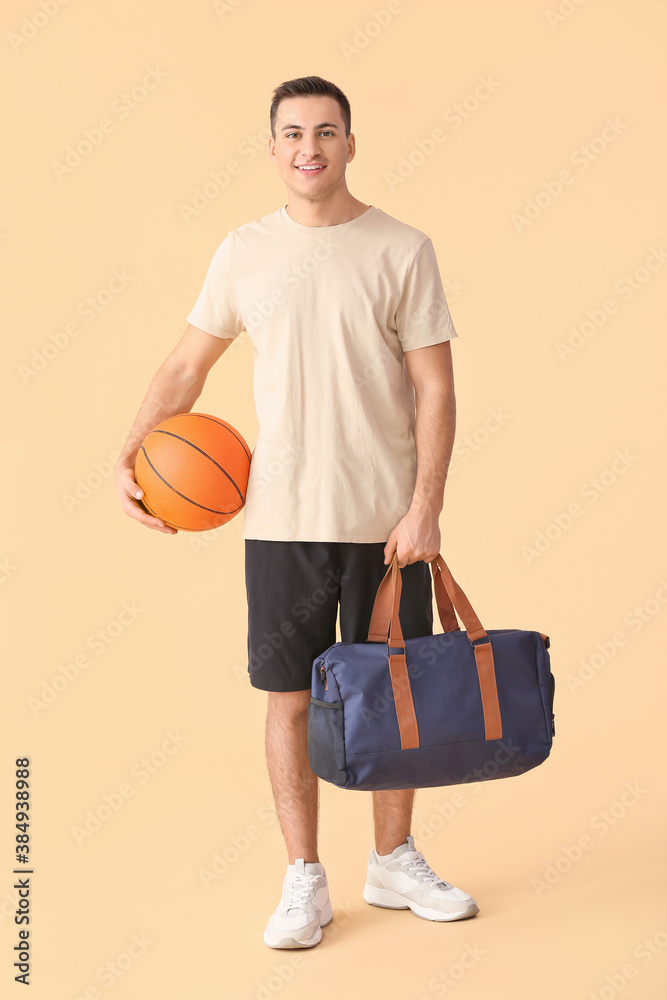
(193, 469)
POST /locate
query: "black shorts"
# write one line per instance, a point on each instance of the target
(294, 589)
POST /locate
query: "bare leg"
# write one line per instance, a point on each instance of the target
(392, 815)
(295, 786)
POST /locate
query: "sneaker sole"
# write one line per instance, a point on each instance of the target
(290, 942)
(390, 900)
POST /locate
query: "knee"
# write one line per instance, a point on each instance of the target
(289, 706)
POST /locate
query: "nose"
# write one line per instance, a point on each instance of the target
(310, 148)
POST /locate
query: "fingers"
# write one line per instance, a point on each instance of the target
(130, 494)
(390, 549)
(141, 514)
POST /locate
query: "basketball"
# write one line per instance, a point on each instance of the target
(193, 469)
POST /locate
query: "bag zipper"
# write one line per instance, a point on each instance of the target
(323, 677)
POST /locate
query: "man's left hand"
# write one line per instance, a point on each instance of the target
(416, 536)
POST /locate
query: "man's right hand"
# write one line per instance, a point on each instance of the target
(128, 488)
(174, 389)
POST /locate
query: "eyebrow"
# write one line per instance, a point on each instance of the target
(321, 125)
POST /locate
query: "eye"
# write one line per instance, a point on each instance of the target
(324, 132)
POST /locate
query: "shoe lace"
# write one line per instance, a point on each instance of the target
(298, 889)
(416, 862)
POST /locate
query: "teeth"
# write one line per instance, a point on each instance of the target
(310, 168)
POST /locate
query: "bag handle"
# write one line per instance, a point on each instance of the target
(386, 627)
(381, 615)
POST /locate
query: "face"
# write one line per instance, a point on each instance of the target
(310, 130)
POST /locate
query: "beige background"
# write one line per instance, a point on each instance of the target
(598, 928)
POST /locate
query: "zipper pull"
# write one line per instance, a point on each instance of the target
(323, 677)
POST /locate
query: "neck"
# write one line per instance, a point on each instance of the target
(331, 212)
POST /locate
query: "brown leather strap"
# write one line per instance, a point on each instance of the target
(493, 726)
(446, 612)
(471, 622)
(382, 608)
(398, 667)
(385, 626)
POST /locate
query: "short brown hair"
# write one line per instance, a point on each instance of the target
(303, 86)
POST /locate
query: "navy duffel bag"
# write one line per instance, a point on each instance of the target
(445, 709)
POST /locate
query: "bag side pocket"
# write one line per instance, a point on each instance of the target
(326, 741)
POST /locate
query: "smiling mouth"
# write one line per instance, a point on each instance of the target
(315, 169)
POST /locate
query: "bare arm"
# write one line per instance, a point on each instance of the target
(175, 387)
(417, 534)
(430, 369)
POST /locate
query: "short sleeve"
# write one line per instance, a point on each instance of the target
(422, 315)
(217, 311)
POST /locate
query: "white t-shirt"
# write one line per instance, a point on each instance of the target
(330, 311)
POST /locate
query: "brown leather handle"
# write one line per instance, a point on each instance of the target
(386, 627)
(382, 608)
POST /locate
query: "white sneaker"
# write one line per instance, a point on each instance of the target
(305, 908)
(408, 881)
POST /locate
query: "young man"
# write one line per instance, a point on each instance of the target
(354, 392)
